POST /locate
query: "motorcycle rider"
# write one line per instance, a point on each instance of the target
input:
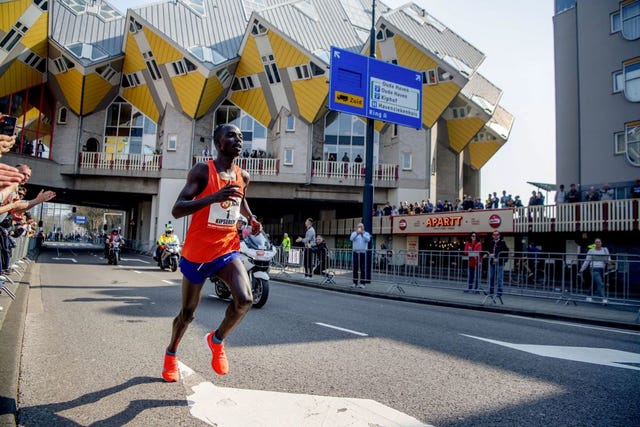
(164, 239)
(113, 237)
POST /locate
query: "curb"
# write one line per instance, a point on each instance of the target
(11, 336)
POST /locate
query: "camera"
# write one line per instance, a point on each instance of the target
(7, 125)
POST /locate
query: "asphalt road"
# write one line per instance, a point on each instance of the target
(95, 337)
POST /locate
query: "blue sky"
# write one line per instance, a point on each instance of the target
(517, 39)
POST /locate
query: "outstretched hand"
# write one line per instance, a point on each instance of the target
(9, 175)
(256, 227)
(6, 142)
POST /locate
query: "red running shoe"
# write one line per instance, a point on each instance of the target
(170, 368)
(219, 361)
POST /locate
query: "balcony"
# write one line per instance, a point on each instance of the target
(125, 163)
(354, 171)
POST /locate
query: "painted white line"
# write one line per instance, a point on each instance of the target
(65, 259)
(168, 281)
(136, 271)
(135, 259)
(222, 406)
(557, 322)
(595, 355)
(362, 334)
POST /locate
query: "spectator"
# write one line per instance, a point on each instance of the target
(358, 159)
(40, 148)
(503, 199)
(495, 201)
(472, 249)
(573, 196)
(598, 257)
(321, 253)
(286, 246)
(345, 158)
(606, 192)
(561, 195)
(498, 254)
(540, 199)
(309, 241)
(533, 200)
(360, 239)
(592, 195)
(489, 201)
(478, 204)
(517, 202)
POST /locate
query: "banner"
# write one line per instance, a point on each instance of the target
(459, 222)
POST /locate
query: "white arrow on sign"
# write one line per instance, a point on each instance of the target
(598, 356)
(65, 259)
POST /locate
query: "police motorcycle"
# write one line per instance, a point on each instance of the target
(115, 245)
(169, 256)
(256, 253)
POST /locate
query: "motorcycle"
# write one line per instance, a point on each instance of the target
(256, 253)
(114, 252)
(170, 256)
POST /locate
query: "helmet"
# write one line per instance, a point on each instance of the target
(242, 219)
(168, 228)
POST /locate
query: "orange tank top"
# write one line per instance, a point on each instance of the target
(212, 232)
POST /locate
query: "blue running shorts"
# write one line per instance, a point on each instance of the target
(197, 273)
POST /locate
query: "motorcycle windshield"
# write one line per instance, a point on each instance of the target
(257, 242)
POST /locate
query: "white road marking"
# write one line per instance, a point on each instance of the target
(168, 281)
(362, 334)
(65, 259)
(598, 356)
(557, 322)
(222, 406)
(136, 271)
(135, 259)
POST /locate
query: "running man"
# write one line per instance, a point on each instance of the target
(214, 195)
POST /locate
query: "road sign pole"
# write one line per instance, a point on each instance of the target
(367, 195)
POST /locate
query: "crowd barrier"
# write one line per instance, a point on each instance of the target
(14, 260)
(540, 274)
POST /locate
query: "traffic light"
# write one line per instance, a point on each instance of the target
(73, 209)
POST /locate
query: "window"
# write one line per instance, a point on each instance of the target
(62, 116)
(459, 113)
(106, 72)
(13, 36)
(223, 75)
(346, 134)
(562, 5)
(179, 68)
(62, 64)
(630, 14)
(615, 22)
(127, 130)
(271, 68)
(258, 29)
(172, 142)
(619, 143)
(406, 161)
(131, 80)
(632, 80)
(316, 70)
(429, 77)
(302, 72)
(394, 130)
(36, 61)
(152, 65)
(134, 26)
(42, 4)
(291, 123)
(618, 81)
(206, 54)
(632, 144)
(242, 83)
(288, 156)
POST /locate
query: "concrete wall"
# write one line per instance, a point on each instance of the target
(588, 113)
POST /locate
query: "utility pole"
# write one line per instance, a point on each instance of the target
(367, 194)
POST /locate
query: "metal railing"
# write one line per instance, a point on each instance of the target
(536, 274)
(352, 170)
(606, 215)
(255, 166)
(120, 162)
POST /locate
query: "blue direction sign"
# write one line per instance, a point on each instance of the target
(80, 219)
(368, 87)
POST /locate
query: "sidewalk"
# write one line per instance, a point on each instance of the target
(578, 310)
